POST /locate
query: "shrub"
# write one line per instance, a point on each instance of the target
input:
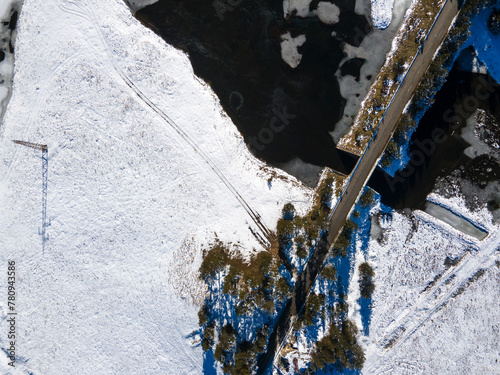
(391, 152)
(244, 359)
(288, 211)
(366, 284)
(367, 198)
(244, 307)
(282, 288)
(339, 347)
(302, 252)
(215, 261)
(311, 309)
(329, 272)
(208, 337)
(494, 22)
(203, 315)
(285, 230)
(405, 124)
(261, 340)
(231, 281)
(326, 192)
(342, 243)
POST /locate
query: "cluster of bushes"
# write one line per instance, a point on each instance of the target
(303, 231)
(313, 306)
(367, 198)
(339, 348)
(239, 358)
(329, 272)
(254, 285)
(366, 284)
(258, 285)
(392, 73)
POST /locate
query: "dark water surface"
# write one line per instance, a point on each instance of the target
(284, 113)
(437, 147)
(281, 112)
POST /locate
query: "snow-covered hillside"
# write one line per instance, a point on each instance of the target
(143, 169)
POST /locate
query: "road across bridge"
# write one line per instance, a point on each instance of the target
(357, 180)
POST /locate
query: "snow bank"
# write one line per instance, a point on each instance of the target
(127, 190)
(382, 13)
(327, 13)
(135, 5)
(289, 52)
(301, 7)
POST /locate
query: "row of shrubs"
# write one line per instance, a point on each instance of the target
(304, 231)
(339, 348)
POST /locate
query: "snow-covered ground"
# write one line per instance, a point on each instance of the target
(144, 168)
(433, 310)
(382, 13)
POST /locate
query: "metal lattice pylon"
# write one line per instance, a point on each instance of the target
(45, 172)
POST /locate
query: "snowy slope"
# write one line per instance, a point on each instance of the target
(132, 193)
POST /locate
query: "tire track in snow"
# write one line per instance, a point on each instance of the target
(82, 13)
(453, 279)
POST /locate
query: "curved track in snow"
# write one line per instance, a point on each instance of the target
(84, 11)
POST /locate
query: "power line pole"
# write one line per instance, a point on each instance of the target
(45, 173)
